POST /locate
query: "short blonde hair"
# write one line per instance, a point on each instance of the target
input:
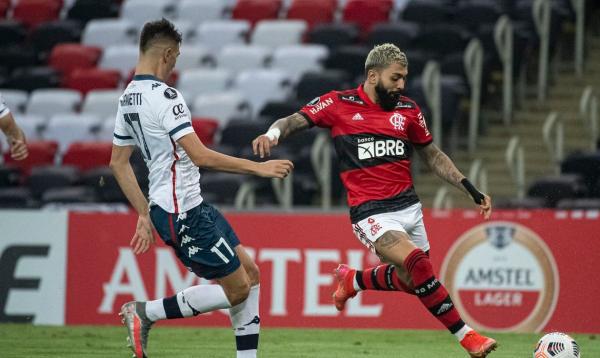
(384, 55)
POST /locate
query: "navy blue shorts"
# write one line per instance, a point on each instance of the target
(202, 239)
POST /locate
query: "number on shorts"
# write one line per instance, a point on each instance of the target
(216, 250)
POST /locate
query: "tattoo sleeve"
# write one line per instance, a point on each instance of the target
(290, 124)
(442, 165)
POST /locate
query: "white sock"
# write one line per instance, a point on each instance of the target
(189, 302)
(245, 320)
(462, 332)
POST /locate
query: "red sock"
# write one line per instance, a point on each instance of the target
(381, 278)
(431, 292)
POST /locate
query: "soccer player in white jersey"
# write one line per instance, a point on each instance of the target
(14, 134)
(155, 117)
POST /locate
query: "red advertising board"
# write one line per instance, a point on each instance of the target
(524, 271)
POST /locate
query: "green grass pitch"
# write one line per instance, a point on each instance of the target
(17, 340)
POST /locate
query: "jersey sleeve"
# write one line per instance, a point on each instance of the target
(417, 129)
(321, 110)
(121, 135)
(176, 118)
(3, 107)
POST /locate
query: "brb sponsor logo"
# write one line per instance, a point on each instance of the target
(502, 277)
(369, 148)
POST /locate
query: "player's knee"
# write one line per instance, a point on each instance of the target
(253, 273)
(239, 295)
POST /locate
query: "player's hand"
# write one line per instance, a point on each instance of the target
(485, 208)
(275, 169)
(18, 149)
(262, 145)
(143, 238)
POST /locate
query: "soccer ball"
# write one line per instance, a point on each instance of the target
(556, 345)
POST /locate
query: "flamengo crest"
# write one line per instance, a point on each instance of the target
(397, 120)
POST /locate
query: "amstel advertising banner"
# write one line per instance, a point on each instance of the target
(519, 271)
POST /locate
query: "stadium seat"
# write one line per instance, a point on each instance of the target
(254, 57)
(102, 103)
(18, 56)
(87, 155)
(426, 12)
(350, 59)
(588, 166)
(85, 80)
(313, 84)
(86, 10)
(69, 128)
(187, 30)
(34, 12)
(472, 15)
(31, 125)
(555, 188)
(31, 78)
(16, 100)
(43, 178)
(141, 11)
(274, 86)
(192, 57)
(219, 33)
(299, 59)
(74, 194)
(47, 102)
(9, 176)
(366, 13)
(16, 198)
(579, 204)
(69, 56)
(240, 133)
(109, 32)
(122, 58)
(4, 6)
(524, 203)
(200, 11)
(193, 83)
(221, 188)
(274, 110)
(255, 10)
(400, 34)
(220, 106)
(104, 132)
(12, 33)
(275, 33)
(47, 35)
(40, 153)
(334, 34)
(205, 128)
(441, 39)
(313, 12)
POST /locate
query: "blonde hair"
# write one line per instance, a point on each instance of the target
(384, 55)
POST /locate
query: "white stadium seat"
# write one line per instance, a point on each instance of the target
(219, 33)
(243, 57)
(47, 102)
(16, 100)
(32, 125)
(101, 102)
(140, 11)
(109, 32)
(220, 106)
(262, 86)
(199, 11)
(193, 57)
(187, 30)
(274, 33)
(195, 82)
(120, 57)
(299, 59)
(68, 128)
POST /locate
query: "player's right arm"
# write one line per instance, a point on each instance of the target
(204, 157)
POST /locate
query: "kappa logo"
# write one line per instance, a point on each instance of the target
(183, 228)
(397, 120)
(255, 320)
(154, 85)
(187, 239)
(358, 117)
(181, 216)
(193, 250)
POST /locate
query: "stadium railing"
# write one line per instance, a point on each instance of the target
(321, 161)
(588, 111)
(579, 7)
(503, 37)
(432, 88)
(515, 159)
(473, 61)
(553, 133)
(442, 199)
(541, 17)
(478, 175)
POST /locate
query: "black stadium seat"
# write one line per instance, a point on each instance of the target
(400, 34)
(44, 37)
(334, 34)
(441, 39)
(86, 10)
(49, 177)
(74, 194)
(313, 84)
(30, 78)
(425, 12)
(16, 198)
(588, 166)
(222, 186)
(16, 57)
(105, 185)
(555, 188)
(240, 133)
(350, 59)
(579, 204)
(11, 32)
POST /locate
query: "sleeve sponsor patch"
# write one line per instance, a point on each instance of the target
(353, 98)
(314, 101)
(170, 93)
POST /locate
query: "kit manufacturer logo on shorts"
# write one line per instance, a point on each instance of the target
(502, 277)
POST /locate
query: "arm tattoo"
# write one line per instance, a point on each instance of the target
(442, 165)
(290, 124)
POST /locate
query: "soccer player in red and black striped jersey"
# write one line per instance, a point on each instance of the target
(375, 131)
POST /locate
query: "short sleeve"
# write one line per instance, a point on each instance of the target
(4, 110)
(417, 129)
(121, 135)
(176, 118)
(321, 110)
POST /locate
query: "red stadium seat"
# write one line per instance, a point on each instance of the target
(205, 128)
(256, 10)
(40, 153)
(311, 11)
(4, 6)
(366, 13)
(85, 80)
(33, 12)
(67, 57)
(88, 155)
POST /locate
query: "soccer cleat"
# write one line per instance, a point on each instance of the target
(133, 316)
(345, 290)
(478, 346)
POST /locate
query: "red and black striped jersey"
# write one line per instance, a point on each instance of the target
(374, 148)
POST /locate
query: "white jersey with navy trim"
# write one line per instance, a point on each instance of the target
(154, 116)
(3, 107)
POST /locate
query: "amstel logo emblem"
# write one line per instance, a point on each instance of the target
(502, 277)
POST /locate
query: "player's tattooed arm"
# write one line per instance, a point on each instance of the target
(290, 124)
(441, 165)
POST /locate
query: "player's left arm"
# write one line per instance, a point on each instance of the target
(121, 168)
(14, 137)
(444, 167)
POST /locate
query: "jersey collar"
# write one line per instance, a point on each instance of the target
(146, 78)
(363, 95)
